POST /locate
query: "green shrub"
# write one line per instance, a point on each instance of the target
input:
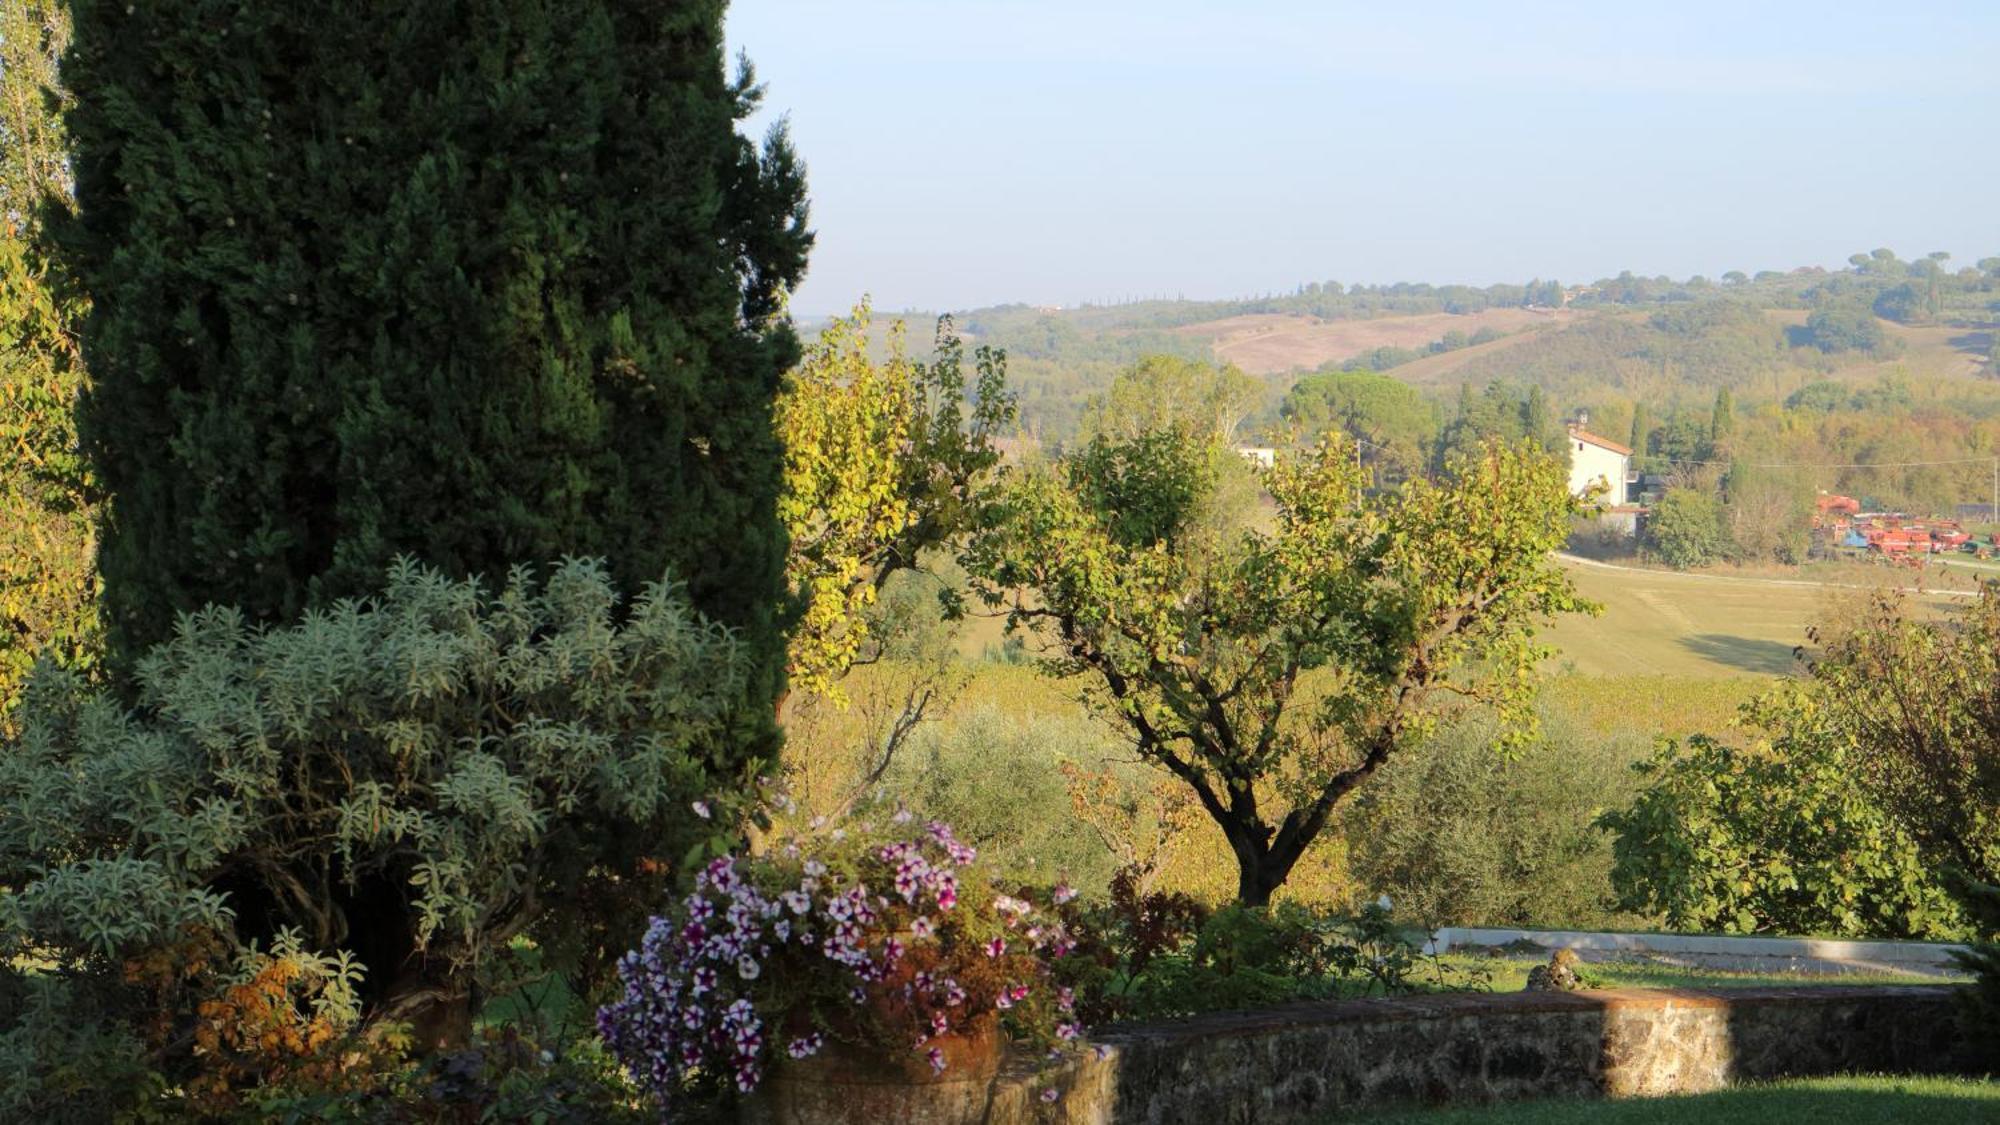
(409, 780)
(1845, 328)
(57, 1062)
(1463, 834)
(1686, 528)
(1163, 956)
(1980, 1004)
(1773, 838)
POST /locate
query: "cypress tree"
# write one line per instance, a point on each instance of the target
(1722, 422)
(478, 281)
(1642, 433)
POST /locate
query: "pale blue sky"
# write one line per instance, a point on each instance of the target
(969, 152)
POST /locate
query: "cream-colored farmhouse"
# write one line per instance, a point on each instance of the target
(1594, 460)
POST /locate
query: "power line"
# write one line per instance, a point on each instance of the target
(1992, 461)
(1849, 465)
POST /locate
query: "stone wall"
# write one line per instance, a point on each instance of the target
(1305, 1062)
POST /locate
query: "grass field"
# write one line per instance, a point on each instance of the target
(1706, 625)
(1815, 1101)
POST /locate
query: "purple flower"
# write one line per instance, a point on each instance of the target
(921, 927)
(996, 947)
(1067, 1031)
(804, 1047)
(747, 968)
(1063, 893)
(936, 1058)
(1050, 1095)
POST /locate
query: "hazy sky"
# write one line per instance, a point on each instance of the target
(969, 152)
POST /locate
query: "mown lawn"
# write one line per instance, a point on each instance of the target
(1857, 1100)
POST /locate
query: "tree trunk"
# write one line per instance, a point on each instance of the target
(402, 984)
(1261, 871)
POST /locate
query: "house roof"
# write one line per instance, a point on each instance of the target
(1602, 443)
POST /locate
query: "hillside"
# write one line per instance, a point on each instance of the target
(1923, 336)
(1273, 343)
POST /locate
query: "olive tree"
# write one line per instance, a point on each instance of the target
(1273, 670)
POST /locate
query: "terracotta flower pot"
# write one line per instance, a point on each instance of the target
(846, 1085)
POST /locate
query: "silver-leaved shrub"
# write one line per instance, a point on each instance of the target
(410, 779)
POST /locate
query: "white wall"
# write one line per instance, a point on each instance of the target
(1589, 464)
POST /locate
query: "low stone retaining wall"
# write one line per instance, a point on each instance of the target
(1307, 1062)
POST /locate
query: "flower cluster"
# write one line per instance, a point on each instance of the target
(884, 935)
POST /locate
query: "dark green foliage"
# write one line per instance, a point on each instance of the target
(1981, 1004)
(1686, 528)
(1822, 395)
(1721, 422)
(1844, 327)
(1396, 421)
(1157, 956)
(1771, 840)
(1150, 486)
(1642, 434)
(1682, 437)
(1504, 411)
(478, 283)
(1904, 304)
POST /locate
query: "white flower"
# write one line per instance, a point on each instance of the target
(701, 809)
(747, 968)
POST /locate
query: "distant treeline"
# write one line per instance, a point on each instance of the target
(1693, 335)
